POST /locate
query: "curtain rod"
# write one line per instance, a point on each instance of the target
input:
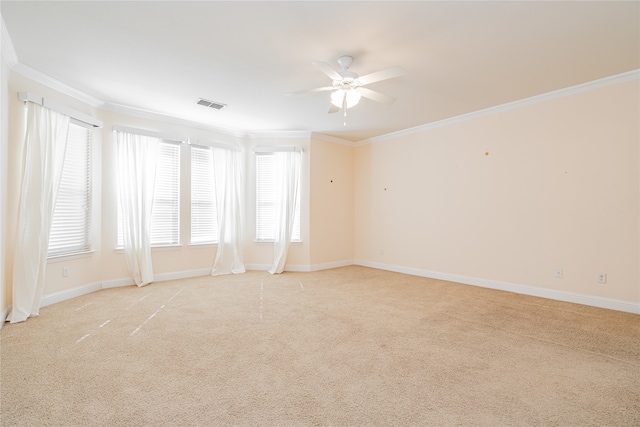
(144, 132)
(74, 114)
(213, 144)
(277, 149)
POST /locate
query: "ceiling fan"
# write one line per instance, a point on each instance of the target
(348, 87)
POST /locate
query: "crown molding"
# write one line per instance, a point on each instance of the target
(53, 83)
(8, 52)
(333, 139)
(152, 115)
(549, 96)
(280, 134)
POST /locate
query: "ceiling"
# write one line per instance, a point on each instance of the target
(458, 57)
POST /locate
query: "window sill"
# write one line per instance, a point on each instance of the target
(68, 257)
(155, 248)
(203, 245)
(270, 242)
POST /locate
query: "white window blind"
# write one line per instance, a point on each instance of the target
(71, 224)
(266, 199)
(165, 211)
(204, 215)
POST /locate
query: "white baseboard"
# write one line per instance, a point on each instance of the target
(302, 268)
(330, 265)
(594, 301)
(553, 294)
(266, 267)
(117, 283)
(163, 277)
(298, 268)
(4, 316)
(69, 293)
(160, 277)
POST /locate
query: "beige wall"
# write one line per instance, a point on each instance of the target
(512, 196)
(4, 141)
(331, 219)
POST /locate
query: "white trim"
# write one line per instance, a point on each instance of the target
(117, 283)
(68, 257)
(74, 114)
(590, 300)
(52, 83)
(69, 294)
(163, 277)
(280, 134)
(594, 301)
(150, 133)
(146, 114)
(277, 149)
(549, 96)
(213, 144)
(4, 316)
(287, 267)
(8, 51)
(203, 245)
(297, 268)
(330, 265)
(159, 277)
(329, 138)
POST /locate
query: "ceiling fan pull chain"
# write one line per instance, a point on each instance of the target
(344, 108)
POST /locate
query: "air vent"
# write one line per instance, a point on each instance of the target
(210, 104)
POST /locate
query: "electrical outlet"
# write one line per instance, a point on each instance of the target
(65, 271)
(558, 273)
(602, 278)
(381, 251)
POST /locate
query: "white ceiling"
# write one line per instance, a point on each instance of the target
(459, 57)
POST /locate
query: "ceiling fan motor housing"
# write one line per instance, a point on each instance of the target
(349, 80)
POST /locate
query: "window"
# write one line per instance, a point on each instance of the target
(165, 211)
(204, 216)
(71, 223)
(266, 199)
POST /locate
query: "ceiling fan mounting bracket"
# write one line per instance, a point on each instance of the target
(345, 62)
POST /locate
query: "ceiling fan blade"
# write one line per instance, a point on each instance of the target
(326, 68)
(318, 89)
(376, 96)
(333, 109)
(387, 73)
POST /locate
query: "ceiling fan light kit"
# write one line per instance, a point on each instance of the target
(348, 87)
(350, 96)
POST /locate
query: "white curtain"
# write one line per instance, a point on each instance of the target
(228, 173)
(287, 183)
(136, 174)
(44, 149)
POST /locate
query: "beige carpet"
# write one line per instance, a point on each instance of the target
(345, 347)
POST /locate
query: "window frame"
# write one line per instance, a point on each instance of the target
(298, 219)
(90, 203)
(213, 201)
(166, 245)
